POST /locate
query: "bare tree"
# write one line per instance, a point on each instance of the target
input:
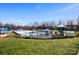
(78, 21)
(70, 22)
(1, 25)
(59, 22)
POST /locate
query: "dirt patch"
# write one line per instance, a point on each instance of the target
(3, 35)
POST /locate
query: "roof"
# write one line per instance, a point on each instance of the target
(46, 30)
(61, 25)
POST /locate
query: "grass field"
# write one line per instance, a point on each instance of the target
(22, 46)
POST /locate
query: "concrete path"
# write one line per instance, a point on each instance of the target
(78, 52)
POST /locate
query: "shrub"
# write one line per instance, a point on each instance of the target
(77, 34)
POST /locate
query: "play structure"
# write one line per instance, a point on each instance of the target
(4, 32)
(58, 32)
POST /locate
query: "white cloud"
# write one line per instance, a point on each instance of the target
(13, 21)
(68, 12)
(38, 7)
(69, 9)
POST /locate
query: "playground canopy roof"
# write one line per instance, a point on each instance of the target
(62, 26)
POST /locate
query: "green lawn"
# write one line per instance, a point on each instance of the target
(23, 46)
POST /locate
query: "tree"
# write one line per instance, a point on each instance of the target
(59, 22)
(1, 25)
(70, 24)
(78, 21)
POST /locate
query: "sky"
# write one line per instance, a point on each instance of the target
(25, 13)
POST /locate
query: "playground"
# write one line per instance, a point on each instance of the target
(42, 42)
(58, 32)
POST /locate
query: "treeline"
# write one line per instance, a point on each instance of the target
(43, 25)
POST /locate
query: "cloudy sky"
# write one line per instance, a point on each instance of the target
(24, 13)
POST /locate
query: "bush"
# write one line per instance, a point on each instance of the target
(77, 34)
